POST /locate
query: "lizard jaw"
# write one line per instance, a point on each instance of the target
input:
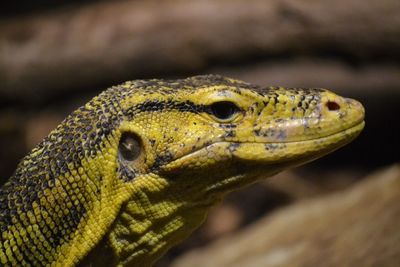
(303, 151)
(261, 154)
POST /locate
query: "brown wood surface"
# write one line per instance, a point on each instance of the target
(100, 43)
(353, 227)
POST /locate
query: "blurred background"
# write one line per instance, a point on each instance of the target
(342, 210)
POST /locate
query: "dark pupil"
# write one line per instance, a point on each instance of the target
(129, 146)
(224, 109)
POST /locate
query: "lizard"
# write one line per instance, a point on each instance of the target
(134, 171)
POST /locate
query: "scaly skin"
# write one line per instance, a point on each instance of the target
(78, 199)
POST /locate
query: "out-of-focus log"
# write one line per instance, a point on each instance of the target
(370, 80)
(354, 227)
(108, 41)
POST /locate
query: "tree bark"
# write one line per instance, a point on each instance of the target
(353, 227)
(84, 46)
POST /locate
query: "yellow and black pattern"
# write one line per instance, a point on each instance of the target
(134, 171)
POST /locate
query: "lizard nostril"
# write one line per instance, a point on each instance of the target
(332, 105)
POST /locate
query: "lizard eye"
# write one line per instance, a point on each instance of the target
(224, 110)
(129, 146)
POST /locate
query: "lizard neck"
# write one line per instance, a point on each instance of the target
(146, 227)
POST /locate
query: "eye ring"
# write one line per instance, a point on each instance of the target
(224, 110)
(130, 146)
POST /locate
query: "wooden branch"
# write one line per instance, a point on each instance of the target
(110, 41)
(354, 227)
(366, 81)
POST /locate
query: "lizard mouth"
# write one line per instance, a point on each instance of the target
(264, 154)
(276, 152)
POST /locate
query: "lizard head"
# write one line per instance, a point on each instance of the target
(183, 144)
(134, 171)
(206, 133)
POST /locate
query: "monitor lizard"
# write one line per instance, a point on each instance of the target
(135, 170)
